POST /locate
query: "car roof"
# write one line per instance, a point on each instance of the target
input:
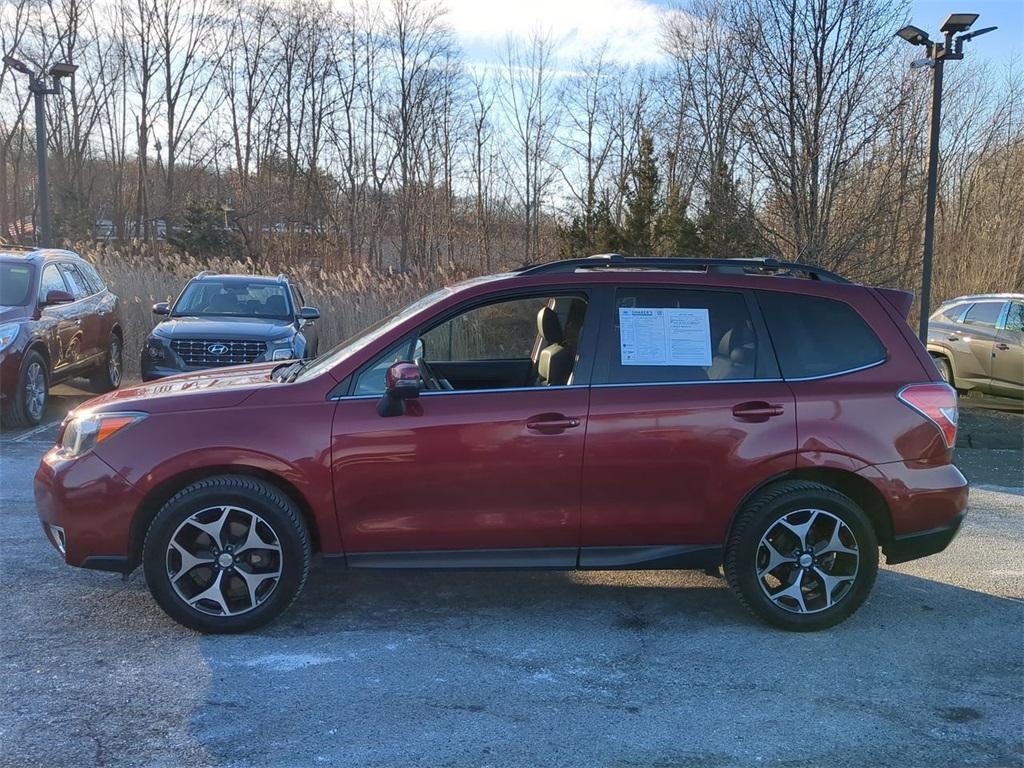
(229, 278)
(983, 297)
(33, 255)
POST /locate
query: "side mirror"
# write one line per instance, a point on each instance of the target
(161, 308)
(58, 297)
(309, 314)
(401, 382)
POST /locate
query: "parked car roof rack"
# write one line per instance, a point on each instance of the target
(720, 266)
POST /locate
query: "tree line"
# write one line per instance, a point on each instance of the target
(359, 133)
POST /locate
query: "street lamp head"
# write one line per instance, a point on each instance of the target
(17, 65)
(914, 35)
(958, 22)
(62, 69)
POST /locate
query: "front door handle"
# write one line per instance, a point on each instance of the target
(757, 410)
(550, 423)
(1002, 346)
(954, 338)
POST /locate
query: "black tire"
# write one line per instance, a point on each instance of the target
(108, 376)
(249, 494)
(23, 408)
(761, 516)
(945, 370)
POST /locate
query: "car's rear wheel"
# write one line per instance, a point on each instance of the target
(26, 406)
(108, 376)
(226, 554)
(945, 370)
(802, 556)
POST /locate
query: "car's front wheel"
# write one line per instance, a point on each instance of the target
(26, 406)
(226, 554)
(802, 556)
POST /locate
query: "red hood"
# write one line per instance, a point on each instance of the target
(215, 388)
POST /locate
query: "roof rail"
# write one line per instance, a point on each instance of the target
(281, 278)
(205, 273)
(9, 247)
(720, 266)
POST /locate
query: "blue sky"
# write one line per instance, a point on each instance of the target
(996, 47)
(631, 27)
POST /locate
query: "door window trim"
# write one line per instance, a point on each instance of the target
(585, 355)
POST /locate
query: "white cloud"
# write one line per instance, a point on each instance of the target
(629, 27)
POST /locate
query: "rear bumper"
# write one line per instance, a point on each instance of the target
(927, 505)
(915, 545)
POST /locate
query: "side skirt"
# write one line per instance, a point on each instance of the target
(684, 557)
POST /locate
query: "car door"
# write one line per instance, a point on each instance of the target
(976, 343)
(467, 475)
(1008, 353)
(63, 329)
(687, 414)
(84, 311)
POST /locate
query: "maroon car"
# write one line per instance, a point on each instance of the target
(599, 413)
(57, 321)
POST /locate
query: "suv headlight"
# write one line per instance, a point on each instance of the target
(8, 333)
(84, 432)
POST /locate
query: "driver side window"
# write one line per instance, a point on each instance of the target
(510, 344)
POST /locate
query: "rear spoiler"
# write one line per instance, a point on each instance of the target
(902, 301)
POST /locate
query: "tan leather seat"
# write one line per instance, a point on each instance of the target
(555, 359)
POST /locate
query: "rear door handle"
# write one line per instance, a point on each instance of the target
(1002, 346)
(551, 422)
(954, 338)
(757, 410)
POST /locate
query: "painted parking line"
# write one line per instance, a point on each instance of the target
(25, 436)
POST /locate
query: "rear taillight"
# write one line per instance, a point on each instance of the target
(937, 403)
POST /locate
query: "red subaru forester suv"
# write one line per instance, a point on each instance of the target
(601, 413)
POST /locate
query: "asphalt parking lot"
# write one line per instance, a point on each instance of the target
(648, 669)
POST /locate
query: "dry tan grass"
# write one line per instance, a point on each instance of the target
(349, 299)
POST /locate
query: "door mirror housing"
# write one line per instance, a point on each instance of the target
(309, 314)
(58, 297)
(161, 308)
(401, 382)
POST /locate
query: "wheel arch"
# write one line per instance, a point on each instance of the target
(859, 489)
(160, 493)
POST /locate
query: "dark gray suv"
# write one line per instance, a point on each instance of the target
(221, 320)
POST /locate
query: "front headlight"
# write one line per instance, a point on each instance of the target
(84, 432)
(8, 333)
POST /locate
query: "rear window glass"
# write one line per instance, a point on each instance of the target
(680, 335)
(984, 313)
(817, 337)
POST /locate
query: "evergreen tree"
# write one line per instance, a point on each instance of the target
(639, 234)
(677, 234)
(727, 226)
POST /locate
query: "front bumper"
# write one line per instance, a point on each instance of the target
(92, 505)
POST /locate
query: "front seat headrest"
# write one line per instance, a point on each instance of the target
(548, 326)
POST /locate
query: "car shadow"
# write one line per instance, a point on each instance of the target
(459, 668)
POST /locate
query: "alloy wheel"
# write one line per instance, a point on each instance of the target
(224, 560)
(807, 561)
(35, 390)
(114, 363)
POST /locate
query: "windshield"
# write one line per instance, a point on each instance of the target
(15, 283)
(355, 343)
(233, 298)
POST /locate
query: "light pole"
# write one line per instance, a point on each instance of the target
(37, 87)
(936, 54)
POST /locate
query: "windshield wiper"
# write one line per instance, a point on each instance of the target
(295, 369)
(283, 371)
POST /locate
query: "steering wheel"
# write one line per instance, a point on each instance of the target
(430, 380)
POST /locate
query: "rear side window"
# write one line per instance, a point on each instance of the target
(984, 313)
(817, 337)
(666, 335)
(1015, 318)
(92, 277)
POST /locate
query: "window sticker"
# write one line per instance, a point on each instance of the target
(665, 337)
